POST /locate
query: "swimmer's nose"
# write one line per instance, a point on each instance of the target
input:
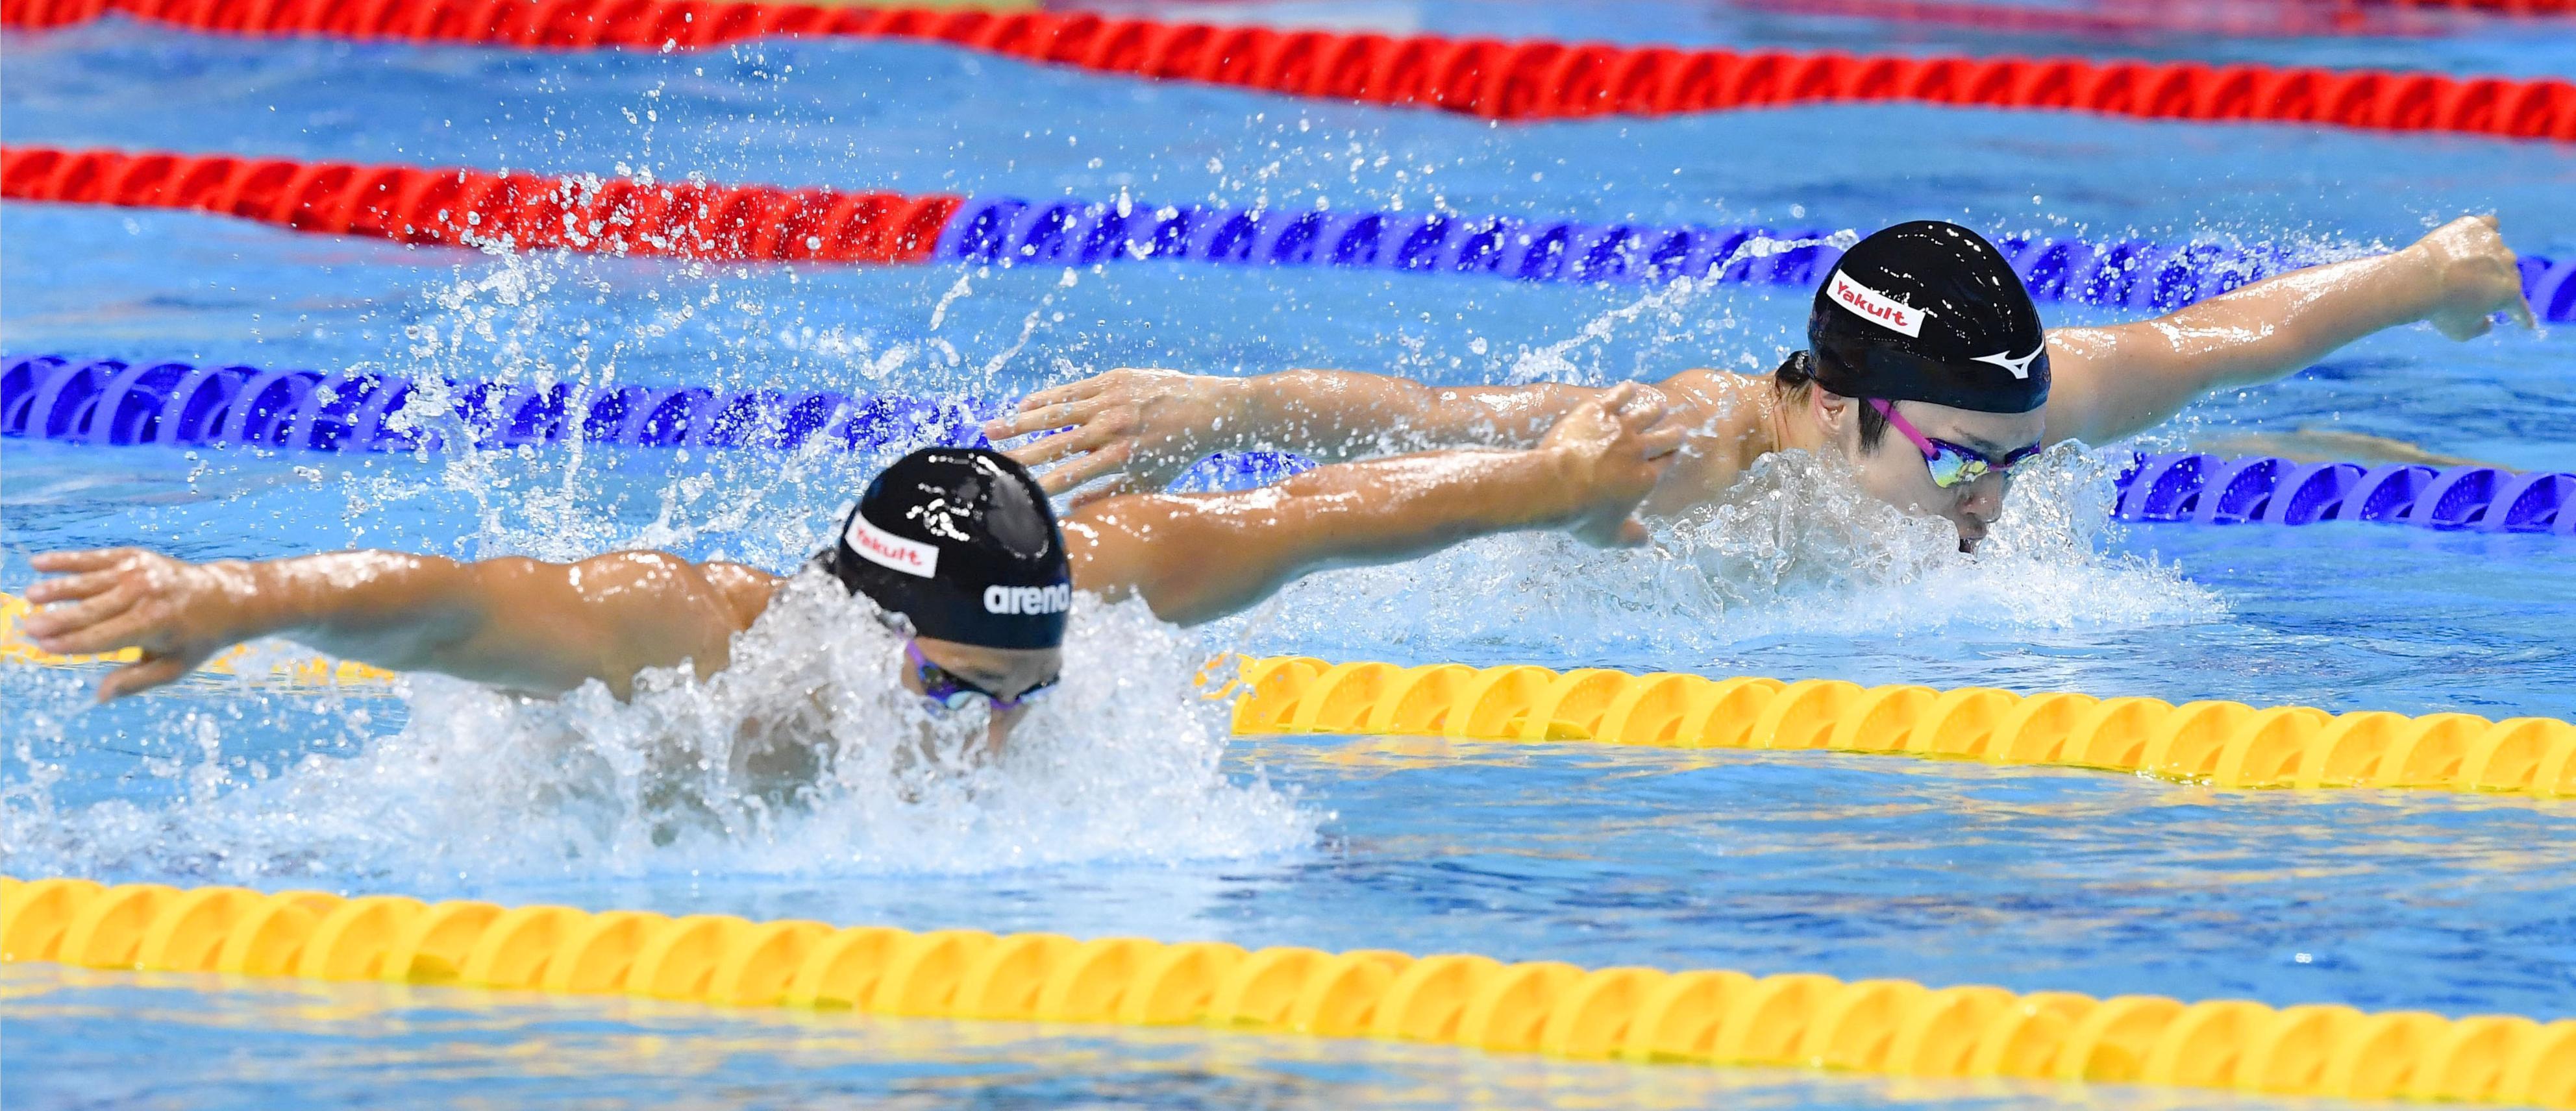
(1983, 500)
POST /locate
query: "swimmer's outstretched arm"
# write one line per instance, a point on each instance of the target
(2118, 381)
(1200, 557)
(1147, 426)
(541, 628)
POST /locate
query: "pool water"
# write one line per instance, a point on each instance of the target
(1132, 813)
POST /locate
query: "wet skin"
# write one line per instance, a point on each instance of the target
(1136, 428)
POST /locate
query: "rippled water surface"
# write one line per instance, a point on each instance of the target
(1130, 811)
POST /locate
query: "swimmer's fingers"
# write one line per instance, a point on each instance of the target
(1083, 390)
(2519, 311)
(142, 676)
(1108, 460)
(1064, 464)
(1633, 533)
(125, 628)
(72, 588)
(61, 563)
(1063, 445)
(1661, 440)
(1044, 418)
(47, 625)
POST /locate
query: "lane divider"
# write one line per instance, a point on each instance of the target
(2131, 273)
(470, 207)
(2259, 489)
(2221, 743)
(756, 223)
(1709, 1017)
(1527, 80)
(112, 402)
(2276, 19)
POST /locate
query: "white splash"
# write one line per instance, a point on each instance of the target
(1793, 549)
(804, 758)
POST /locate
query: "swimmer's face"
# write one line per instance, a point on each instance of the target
(1008, 672)
(1894, 471)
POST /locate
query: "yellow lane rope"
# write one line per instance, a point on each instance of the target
(2224, 744)
(1880, 1026)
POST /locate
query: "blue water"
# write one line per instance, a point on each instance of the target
(1855, 866)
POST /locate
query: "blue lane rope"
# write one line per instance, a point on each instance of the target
(112, 402)
(117, 403)
(2211, 490)
(2137, 274)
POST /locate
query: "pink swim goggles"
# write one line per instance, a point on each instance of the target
(1950, 464)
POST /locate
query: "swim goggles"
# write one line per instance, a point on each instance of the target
(953, 692)
(1950, 464)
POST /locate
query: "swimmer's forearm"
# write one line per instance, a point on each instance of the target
(390, 609)
(1197, 558)
(1338, 415)
(2133, 376)
(2277, 326)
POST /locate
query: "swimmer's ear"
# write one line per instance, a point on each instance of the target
(1832, 410)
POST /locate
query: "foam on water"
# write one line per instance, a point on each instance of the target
(804, 758)
(1793, 547)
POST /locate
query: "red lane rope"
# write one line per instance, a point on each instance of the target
(1482, 77)
(2230, 18)
(471, 207)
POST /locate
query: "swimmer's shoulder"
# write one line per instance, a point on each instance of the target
(744, 591)
(1722, 416)
(1705, 388)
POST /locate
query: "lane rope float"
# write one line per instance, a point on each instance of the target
(2223, 744)
(410, 204)
(1525, 80)
(2132, 273)
(2372, 18)
(2206, 489)
(112, 402)
(1644, 1015)
(116, 403)
(769, 224)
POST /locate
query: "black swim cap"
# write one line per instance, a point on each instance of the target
(1929, 311)
(961, 542)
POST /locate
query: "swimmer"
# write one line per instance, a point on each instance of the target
(958, 547)
(1922, 328)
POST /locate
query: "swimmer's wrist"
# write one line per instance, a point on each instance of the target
(1240, 414)
(241, 599)
(1558, 473)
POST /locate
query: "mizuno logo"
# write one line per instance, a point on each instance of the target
(2020, 367)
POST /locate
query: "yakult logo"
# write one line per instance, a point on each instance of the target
(885, 549)
(1878, 308)
(1030, 600)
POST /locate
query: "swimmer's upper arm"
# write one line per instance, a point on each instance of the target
(548, 627)
(746, 590)
(2110, 383)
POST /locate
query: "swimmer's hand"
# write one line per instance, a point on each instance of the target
(1611, 450)
(2475, 277)
(178, 613)
(1138, 428)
